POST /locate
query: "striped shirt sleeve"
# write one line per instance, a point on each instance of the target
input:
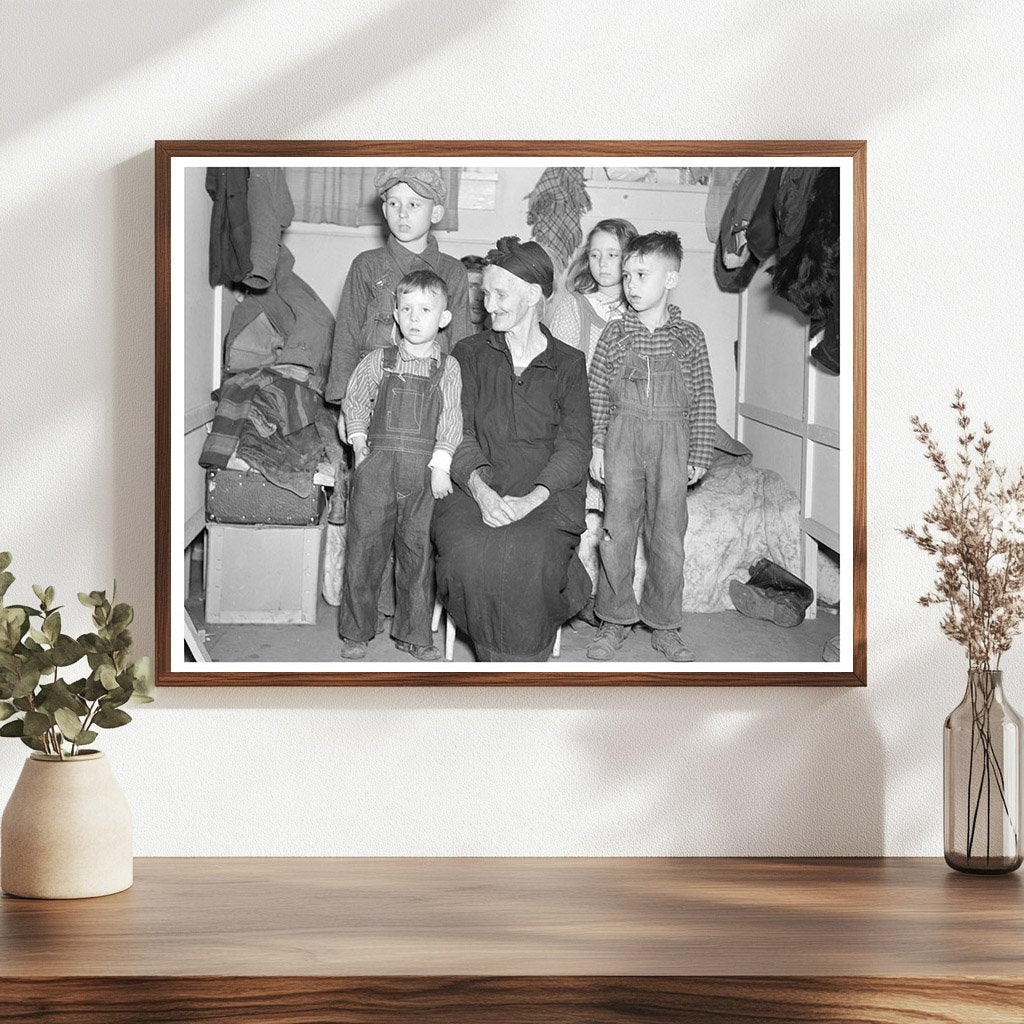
(449, 425)
(361, 393)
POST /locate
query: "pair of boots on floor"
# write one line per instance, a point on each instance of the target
(772, 593)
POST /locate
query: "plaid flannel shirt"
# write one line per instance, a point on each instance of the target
(629, 332)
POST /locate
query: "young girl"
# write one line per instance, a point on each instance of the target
(594, 280)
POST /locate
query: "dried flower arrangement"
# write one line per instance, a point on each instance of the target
(975, 528)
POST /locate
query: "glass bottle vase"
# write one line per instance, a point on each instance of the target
(981, 748)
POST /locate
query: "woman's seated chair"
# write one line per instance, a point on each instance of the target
(449, 633)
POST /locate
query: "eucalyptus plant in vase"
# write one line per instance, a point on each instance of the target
(66, 830)
(975, 530)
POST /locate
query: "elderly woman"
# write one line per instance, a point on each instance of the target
(507, 567)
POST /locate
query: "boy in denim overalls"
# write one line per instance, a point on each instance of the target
(403, 413)
(653, 403)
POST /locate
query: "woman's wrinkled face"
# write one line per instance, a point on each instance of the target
(507, 298)
(605, 257)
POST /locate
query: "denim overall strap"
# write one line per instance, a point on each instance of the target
(407, 409)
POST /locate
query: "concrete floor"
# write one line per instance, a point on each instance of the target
(716, 637)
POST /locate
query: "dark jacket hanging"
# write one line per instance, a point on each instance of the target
(230, 234)
(807, 274)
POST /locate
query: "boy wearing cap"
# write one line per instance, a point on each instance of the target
(413, 201)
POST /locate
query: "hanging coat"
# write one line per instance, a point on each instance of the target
(230, 235)
(807, 274)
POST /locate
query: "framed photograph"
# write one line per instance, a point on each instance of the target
(491, 413)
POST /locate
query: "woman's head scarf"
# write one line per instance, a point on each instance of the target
(526, 260)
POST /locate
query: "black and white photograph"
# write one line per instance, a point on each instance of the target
(583, 416)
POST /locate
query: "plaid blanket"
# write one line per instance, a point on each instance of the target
(262, 398)
(556, 204)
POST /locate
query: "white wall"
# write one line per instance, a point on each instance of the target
(88, 87)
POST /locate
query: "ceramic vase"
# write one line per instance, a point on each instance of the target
(66, 830)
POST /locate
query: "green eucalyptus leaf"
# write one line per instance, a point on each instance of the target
(51, 626)
(6, 579)
(9, 662)
(28, 610)
(27, 681)
(12, 627)
(122, 615)
(69, 724)
(67, 651)
(31, 741)
(58, 695)
(86, 736)
(14, 728)
(87, 641)
(6, 710)
(115, 698)
(5, 559)
(94, 689)
(100, 649)
(107, 676)
(38, 635)
(89, 600)
(40, 593)
(50, 594)
(36, 723)
(22, 703)
(111, 718)
(16, 614)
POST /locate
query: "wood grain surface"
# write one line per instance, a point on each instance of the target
(563, 940)
(519, 1000)
(165, 150)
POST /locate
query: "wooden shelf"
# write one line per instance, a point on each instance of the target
(573, 941)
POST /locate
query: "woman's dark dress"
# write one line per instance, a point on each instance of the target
(510, 587)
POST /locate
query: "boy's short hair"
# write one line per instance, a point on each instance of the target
(656, 243)
(422, 281)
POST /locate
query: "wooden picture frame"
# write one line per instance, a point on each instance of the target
(829, 485)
